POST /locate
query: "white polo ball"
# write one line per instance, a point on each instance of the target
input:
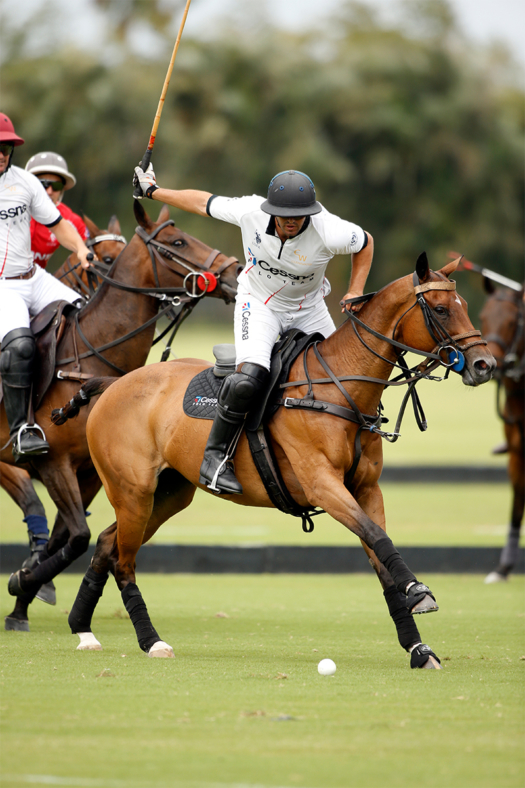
(327, 667)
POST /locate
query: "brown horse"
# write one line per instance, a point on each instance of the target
(148, 452)
(107, 244)
(502, 325)
(113, 333)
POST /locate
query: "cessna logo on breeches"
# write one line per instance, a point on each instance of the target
(279, 272)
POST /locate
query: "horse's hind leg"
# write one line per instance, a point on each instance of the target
(421, 655)
(510, 552)
(173, 493)
(91, 590)
(19, 486)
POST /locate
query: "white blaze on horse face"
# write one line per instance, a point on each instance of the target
(457, 300)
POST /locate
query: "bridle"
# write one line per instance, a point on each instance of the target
(92, 275)
(186, 296)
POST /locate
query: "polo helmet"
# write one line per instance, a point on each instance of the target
(53, 163)
(291, 193)
(7, 131)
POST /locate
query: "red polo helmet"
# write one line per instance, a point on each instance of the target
(7, 131)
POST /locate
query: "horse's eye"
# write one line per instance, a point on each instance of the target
(178, 242)
(108, 260)
(441, 311)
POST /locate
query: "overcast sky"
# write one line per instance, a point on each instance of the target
(483, 20)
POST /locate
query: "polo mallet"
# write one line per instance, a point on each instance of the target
(467, 265)
(144, 164)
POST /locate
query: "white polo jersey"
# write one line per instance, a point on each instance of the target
(289, 275)
(21, 197)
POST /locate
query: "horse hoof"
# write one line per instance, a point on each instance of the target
(14, 585)
(161, 649)
(16, 624)
(427, 605)
(495, 577)
(47, 593)
(431, 664)
(88, 642)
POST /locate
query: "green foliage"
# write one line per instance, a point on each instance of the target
(405, 128)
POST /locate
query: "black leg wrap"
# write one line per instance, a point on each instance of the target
(52, 567)
(392, 561)
(420, 655)
(89, 593)
(407, 631)
(146, 633)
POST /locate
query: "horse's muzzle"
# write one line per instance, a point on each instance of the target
(479, 371)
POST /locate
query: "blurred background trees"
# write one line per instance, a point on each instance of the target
(402, 127)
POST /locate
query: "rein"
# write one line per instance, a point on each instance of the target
(409, 376)
(92, 275)
(175, 296)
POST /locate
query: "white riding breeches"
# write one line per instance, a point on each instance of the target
(20, 299)
(257, 327)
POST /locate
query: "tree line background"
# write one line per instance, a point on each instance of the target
(406, 128)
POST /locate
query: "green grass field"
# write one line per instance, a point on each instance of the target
(463, 427)
(242, 704)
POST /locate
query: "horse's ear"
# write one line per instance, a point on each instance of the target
(422, 267)
(141, 216)
(92, 227)
(488, 285)
(449, 268)
(114, 226)
(164, 214)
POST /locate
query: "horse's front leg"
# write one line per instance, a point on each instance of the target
(370, 499)
(324, 487)
(62, 485)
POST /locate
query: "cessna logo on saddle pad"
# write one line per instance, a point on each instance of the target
(205, 401)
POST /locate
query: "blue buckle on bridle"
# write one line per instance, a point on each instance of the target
(456, 360)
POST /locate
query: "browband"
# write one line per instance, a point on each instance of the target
(450, 285)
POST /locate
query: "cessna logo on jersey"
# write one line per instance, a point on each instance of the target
(279, 272)
(244, 322)
(10, 213)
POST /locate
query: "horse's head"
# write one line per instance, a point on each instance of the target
(179, 258)
(107, 244)
(438, 322)
(502, 324)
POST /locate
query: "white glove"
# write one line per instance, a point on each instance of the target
(145, 180)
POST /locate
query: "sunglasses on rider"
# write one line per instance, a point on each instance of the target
(57, 186)
(6, 148)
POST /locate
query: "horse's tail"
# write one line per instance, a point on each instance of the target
(91, 389)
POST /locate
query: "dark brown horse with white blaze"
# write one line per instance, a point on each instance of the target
(503, 327)
(112, 334)
(107, 244)
(152, 470)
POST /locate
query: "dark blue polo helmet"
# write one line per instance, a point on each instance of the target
(291, 193)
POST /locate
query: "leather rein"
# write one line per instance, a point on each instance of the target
(92, 275)
(185, 296)
(409, 376)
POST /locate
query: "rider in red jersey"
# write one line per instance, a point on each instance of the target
(52, 171)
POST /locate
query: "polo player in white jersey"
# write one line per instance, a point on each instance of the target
(288, 241)
(25, 288)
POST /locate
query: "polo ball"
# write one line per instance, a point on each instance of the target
(327, 667)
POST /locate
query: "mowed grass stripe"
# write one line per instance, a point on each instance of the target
(242, 702)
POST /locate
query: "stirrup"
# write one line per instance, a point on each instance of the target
(17, 448)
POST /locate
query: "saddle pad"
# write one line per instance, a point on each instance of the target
(200, 399)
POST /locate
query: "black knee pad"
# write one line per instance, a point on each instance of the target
(240, 389)
(17, 357)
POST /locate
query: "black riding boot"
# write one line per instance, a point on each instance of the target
(237, 396)
(16, 367)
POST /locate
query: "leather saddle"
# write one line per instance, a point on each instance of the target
(48, 328)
